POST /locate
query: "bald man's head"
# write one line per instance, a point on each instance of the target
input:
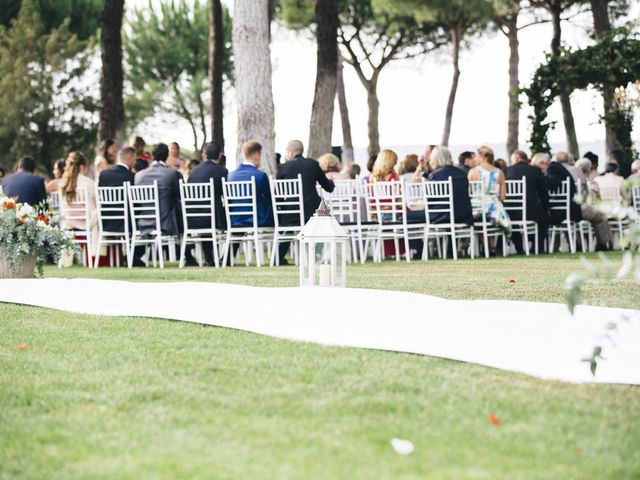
(294, 147)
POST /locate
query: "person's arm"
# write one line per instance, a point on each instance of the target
(472, 176)
(541, 188)
(324, 182)
(553, 180)
(503, 186)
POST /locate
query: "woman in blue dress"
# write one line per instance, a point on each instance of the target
(493, 180)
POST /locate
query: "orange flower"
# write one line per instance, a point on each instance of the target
(494, 420)
(43, 218)
(512, 281)
(21, 346)
(8, 204)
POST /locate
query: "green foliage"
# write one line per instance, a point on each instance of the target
(613, 61)
(83, 15)
(166, 51)
(46, 106)
(27, 230)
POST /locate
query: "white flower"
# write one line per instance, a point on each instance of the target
(402, 447)
(24, 210)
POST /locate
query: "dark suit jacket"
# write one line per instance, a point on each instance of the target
(554, 176)
(29, 188)
(311, 174)
(115, 176)
(537, 194)
(202, 174)
(264, 207)
(461, 202)
(168, 198)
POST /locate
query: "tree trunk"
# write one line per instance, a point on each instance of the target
(455, 40)
(252, 68)
(602, 27)
(374, 113)
(111, 83)
(514, 84)
(347, 142)
(327, 67)
(216, 67)
(565, 101)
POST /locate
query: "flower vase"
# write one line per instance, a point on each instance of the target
(26, 269)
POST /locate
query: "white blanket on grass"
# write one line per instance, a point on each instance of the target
(538, 339)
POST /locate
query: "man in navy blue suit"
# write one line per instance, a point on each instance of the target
(24, 185)
(252, 153)
(210, 168)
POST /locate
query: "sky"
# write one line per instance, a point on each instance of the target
(413, 95)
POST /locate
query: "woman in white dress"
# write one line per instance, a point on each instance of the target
(74, 179)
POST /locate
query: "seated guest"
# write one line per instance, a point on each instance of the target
(311, 173)
(24, 184)
(442, 167)
(495, 189)
(624, 165)
(611, 188)
(210, 168)
(423, 170)
(252, 154)
(555, 174)
(594, 165)
(117, 176)
(353, 170)
(635, 169)
(175, 160)
(75, 178)
(384, 168)
(466, 162)
(168, 193)
(191, 165)
(370, 163)
(139, 145)
(330, 165)
(140, 165)
(58, 169)
(408, 167)
(106, 156)
(537, 197)
(501, 163)
(568, 163)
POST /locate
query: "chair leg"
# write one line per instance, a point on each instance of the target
(183, 250)
(274, 247)
(525, 238)
(258, 248)
(96, 261)
(552, 240)
(454, 244)
(160, 252)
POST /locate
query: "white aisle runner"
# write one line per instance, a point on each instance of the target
(538, 339)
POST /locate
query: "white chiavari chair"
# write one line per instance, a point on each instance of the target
(560, 202)
(515, 203)
(113, 223)
(75, 218)
(288, 214)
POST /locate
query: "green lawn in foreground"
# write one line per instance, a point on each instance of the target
(109, 397)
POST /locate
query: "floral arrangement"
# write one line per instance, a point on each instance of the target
(27, 231)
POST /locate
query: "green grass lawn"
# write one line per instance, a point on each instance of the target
(137, 398)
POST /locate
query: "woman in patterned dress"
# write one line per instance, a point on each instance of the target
(495, 189)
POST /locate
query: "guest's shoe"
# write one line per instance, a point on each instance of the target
(283, 262)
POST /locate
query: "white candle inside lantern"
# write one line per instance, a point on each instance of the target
(325, 275)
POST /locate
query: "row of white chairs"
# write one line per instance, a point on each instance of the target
(371, 213)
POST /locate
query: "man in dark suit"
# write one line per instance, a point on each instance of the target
(537, 198)
(117, 176)
(210, 168)
(311, 174)
(24, 185)
(168, 192)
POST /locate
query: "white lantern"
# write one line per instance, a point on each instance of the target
(323, 251)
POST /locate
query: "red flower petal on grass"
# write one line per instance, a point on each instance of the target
(512, 281)
(21, 346)
(494, 420)
(577, 451)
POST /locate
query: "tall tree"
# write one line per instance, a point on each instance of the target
(47, 104)
(111, 82)
(555, 9)
(602, 27)
(252, 71)
(347, 142)
(216, 69)
(372, 38)
(177, 79)
(321, 126)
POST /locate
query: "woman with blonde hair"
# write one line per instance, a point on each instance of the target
(495, 189)
(74, 179)
(330, 165)
(383, 168)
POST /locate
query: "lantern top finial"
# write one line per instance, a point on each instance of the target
(323, 209)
